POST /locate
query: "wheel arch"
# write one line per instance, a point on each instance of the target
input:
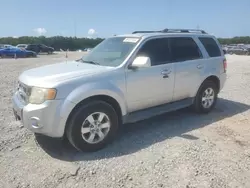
(101, 97)
(212, 78)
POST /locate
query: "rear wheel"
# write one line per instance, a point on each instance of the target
(92, 126)
(206, 97)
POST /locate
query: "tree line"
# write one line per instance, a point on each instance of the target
(235, 40)
(73, 43)
(57, 42)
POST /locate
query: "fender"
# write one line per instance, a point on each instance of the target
(89, 90)
(199, 86)
(96, 88)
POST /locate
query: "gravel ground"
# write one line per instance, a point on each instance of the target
(179, 149)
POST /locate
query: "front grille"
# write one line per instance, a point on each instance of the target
(23, 92)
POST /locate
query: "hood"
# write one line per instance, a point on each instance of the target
(56, 73)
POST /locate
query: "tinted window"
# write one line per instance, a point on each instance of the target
(184, 48)
(211, 46)
(157, 50)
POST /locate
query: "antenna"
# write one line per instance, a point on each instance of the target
(75, 27)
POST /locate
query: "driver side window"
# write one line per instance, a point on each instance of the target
(157, 50)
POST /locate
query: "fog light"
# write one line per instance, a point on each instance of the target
(35, 122)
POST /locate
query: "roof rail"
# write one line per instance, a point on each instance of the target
(146, 32)
(173, 31)
(184, 30)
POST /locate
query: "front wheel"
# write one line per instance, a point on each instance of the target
(206, 97)
(92, 126)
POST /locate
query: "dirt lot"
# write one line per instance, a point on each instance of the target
(180, 149)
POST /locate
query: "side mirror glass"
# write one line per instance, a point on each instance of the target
(140, 62)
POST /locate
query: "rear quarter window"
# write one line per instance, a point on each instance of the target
(211, 46)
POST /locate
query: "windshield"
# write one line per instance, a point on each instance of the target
(112, 51)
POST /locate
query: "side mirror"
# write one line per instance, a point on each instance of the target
(140, 62)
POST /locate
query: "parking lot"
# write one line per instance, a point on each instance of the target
(179, 149)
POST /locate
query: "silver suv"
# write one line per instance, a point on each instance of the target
(125, 78)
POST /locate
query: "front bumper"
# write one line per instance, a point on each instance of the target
(43, 118)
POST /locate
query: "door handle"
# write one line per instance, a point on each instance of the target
(166, 73)
(200, 66)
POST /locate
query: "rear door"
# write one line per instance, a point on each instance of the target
(33, 48)
(189, 64)
(43, 48)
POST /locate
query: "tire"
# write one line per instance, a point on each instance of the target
(199, 104)
(74, 126)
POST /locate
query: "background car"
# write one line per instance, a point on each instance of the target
(24, 46)
(16, 52)
(238, 50)
(88, 49)
(6, 46)
(40, 48)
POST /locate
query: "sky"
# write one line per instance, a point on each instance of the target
(97, 18)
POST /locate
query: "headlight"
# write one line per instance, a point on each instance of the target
(40, 95)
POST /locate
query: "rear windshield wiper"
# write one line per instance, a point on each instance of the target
(90, 62)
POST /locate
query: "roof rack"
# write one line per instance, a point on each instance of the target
(146, 32)
(173, 31)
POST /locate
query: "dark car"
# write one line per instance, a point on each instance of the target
(16, 52)
(40, 48)
(238, 50)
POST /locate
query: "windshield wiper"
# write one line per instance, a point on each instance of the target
(90, 62)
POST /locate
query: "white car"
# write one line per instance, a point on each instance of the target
(22, 46)
(125, 78)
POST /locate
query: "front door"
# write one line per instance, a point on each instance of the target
(152, 86)
(8, 52)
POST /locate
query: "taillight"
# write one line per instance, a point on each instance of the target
(225, 65)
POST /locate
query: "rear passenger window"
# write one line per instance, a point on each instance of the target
(211, 46)
(157, 50)
(184, 48)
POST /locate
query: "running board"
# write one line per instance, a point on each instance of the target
(154, 111)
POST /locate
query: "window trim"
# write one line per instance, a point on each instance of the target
(133, 54)
(168, 44)
(180, 61)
